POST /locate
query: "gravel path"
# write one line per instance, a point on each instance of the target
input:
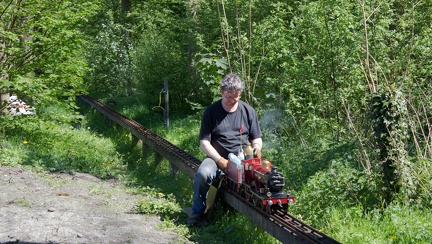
(72, 208)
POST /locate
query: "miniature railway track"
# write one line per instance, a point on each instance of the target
(281, 225)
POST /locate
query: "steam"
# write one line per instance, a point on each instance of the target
(270, 123)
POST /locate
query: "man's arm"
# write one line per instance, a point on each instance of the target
(257, 146)
(211, 152)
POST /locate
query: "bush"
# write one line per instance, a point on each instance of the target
(55, 144)
(396, 224)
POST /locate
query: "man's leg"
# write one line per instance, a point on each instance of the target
(203, 178)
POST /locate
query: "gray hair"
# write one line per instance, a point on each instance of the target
(231, 82)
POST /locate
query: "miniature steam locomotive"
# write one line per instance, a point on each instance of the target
(259, 182)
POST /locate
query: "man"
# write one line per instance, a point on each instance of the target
(226, 126)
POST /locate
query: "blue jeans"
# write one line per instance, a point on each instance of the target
(207, 172)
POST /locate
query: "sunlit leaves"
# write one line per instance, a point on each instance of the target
(44, 48)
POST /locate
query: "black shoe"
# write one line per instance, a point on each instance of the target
(196, 219)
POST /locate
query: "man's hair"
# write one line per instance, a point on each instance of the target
(231, 82)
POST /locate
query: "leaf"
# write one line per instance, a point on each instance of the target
(221, 63)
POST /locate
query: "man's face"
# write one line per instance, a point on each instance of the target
(230, 98)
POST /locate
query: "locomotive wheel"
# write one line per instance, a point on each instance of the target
(255, 200)
(242, 192)
(268, 208)
(247, 196)
(233, 186)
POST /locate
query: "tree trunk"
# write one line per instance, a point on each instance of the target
(126, 5)
(4, 98)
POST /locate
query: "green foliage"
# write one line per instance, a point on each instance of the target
(420, 178)
(338, 184)
(230, 227)
(137, 51)
(41, 50)
(57, 145)
(390, 132)
(158, 203)
(211, 69)
(234, 40)
(397, 224)
(158, 58)
(109, 59)
(12, 151)
(184, 132)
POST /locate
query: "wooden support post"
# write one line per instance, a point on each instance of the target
(145, 151)
(135, 140)
(173, 170)
(157, 159)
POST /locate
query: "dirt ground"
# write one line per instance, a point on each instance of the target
(72, 208)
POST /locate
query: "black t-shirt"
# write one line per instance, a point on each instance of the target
(225, 130)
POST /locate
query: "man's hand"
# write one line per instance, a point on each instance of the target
(222, 162)
(257, 151)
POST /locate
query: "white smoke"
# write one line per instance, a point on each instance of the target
(270, 123)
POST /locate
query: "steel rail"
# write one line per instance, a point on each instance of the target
(281, 225)
(182, 160)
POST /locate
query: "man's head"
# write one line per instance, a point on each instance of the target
(231, 83)
(231, 88)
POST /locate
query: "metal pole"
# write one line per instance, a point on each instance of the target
(166, 110)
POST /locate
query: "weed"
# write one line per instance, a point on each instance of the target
(22, 202)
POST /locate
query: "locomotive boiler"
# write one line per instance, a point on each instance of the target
(259, 182)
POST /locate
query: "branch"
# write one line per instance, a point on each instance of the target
(4, 10)
(368, 167)
(371, 81)
(225, 42)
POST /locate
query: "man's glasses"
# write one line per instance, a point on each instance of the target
(231, 94)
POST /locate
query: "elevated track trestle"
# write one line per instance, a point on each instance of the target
(281, 225)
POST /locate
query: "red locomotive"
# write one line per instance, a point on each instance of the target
(259, 182)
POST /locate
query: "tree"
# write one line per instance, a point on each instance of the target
(41, 49)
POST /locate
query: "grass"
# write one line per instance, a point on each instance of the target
(396, 224)
(13, 151)
(332, 194)
(23, 202)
